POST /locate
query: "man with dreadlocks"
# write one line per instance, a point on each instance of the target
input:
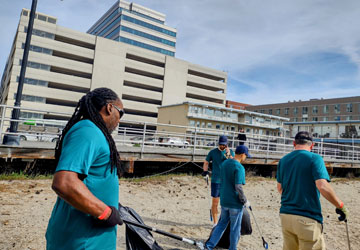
(85, 214)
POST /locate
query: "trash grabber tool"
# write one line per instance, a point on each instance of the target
(207, 186)
(265, 244)
(199, 244)
(342, 217)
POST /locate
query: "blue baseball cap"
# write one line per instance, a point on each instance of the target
(242, 149)
(223, 140)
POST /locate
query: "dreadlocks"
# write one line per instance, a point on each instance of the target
(88, 107)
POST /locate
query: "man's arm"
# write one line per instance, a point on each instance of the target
(279, 188)
(206, 166)
(71, 189)
(328, 192)
(239, 189)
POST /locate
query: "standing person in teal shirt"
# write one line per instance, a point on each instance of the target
(216, 156)
(85, 214)
(232, 199)
(301, 177)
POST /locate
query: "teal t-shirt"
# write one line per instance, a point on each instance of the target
(232, 173)
(297, 173)
(85, 151)
(217, 157)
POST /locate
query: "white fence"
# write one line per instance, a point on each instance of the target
(191, 139)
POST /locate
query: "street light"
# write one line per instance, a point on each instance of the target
(11, 139)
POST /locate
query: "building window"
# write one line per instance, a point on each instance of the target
(38, 49)
(305, 110)
(315, 109)
(144, 45)
(315, 119)
(304, 119)
(36, 65)
(218, 113)
(192, 123)
(349, 107)
(349, 118)
(148, 25)
(295, 111)
(203, 124)
(295, 119)
(232, 128)
(31, 115)
(337, 118)
(41, 33)
(217, 126)
(277, 111)
(209, 112)
(32, 81)
(198, 124)
(148, 36)
(209, 125)
(325, 119)
(337, 108)
(270, 111)
(31, 98)
(286, 111)
(326, 109)
(262, 111)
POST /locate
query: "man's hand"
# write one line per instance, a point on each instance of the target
(342, 212)
(205, 173)
(113, 220)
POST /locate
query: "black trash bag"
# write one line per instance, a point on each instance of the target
(137, 238)
(246, 229)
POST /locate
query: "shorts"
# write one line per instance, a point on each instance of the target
(215, 189)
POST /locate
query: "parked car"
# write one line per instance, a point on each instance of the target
(174, 142)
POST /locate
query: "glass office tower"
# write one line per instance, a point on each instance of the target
(136, 25)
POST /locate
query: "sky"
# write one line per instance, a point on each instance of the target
(274, 51)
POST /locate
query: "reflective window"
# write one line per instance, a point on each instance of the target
(286, 111)
(277, 111)
(38, 49)
(110, 26)
(305, 110)
(349, 107)
(337, 108)
(209, 112)
(315, 110)
(102, 24)
(36, 65)
(31, 98)
(326, 109)
(315, 119)
(42, 18)
(148, 25)
(31, 115)
(337, 118)
(325, 119)
(142, 15)
(192, 123)
(148, 36)
(113, 33)
(41, 33)
(144, 45)
(295, 111)
(233, 116)
(209, 125)
(32, 81)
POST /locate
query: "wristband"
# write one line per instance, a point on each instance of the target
(341, 204)
(106, 211)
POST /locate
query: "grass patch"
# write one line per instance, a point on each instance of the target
(22, 176)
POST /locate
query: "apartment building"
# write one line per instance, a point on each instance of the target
(64, 64)
(314, 110)
(219, 119)
(136, 25)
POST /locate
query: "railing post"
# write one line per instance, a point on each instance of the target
(268, 147)
(353, 149)
(143, 142)
(124, 135)
(321, 147)
(193, 152)
(2, 121)
(233, 140)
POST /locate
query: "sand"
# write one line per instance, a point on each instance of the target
(176, 204)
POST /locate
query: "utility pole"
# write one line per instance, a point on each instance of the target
(11, 139)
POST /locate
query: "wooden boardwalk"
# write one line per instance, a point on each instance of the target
(131, 154)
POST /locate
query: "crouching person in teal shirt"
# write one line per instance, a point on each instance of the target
(232, 199)
(85, 214)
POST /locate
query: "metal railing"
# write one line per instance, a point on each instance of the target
(190, 139)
